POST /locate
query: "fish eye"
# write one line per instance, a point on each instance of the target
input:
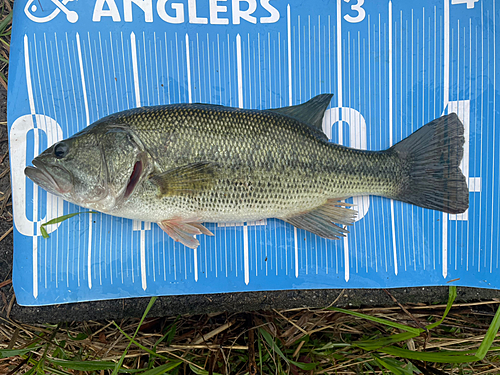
(60, 150)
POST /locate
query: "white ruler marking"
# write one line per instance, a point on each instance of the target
(87, 118)
(188, 67)
(239, 68)
(445, 244)
(35, 187)
(289, 37)
(339, 60)
(146, 97)
(391, 139)
(481, 117)
(143, 261)
(494, 121)
(135, 69)
(239, 71)
(341, 135)
(446, 45)
(137, 225)
(195, 262)
(29, 86)
(446, 89)
(245, 255)
(89, 254)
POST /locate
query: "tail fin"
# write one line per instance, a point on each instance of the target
(431, 157)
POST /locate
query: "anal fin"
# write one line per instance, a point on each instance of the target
(183, 231)
(326, 221)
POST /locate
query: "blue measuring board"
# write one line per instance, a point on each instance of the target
(392, 67)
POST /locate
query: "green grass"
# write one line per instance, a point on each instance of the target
(416, 340)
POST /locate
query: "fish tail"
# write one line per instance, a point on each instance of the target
(430, 158)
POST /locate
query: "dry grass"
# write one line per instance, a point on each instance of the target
(5, 31)
(237, 344)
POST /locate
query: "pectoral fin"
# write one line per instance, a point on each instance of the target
(187, 178)
(183, 231)
(326, 221)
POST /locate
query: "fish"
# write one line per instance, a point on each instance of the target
(182, 165)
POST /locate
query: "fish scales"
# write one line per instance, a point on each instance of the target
(270, 165)
(184, 164)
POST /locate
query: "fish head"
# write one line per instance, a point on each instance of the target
(97, 168)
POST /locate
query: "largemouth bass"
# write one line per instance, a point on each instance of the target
(181, 165)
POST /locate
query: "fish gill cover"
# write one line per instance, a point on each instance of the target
(391, 67)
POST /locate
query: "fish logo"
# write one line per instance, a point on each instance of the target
(30, 9)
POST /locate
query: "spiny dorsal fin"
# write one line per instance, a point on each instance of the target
(310, 112)
(185, 179)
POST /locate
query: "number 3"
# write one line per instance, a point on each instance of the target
(358, 8)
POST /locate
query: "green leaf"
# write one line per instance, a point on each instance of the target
(199, 371)
(44, 232)
(384, 341)
(169, 336)
(6, 353)
(153, 353)
(5, 22)
(272, 344)
(162, 369)
(61, 219)
(439, 357)
(452, 294)
(259, 345)
(398, 366)
(386, 322)
(490, 336)
(83, 365)
(120, 362)
(390, 367)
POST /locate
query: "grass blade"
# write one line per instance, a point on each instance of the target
(6, 353)
(5, 22)
(384, 341)
(388, 366)
(162, 369)
(490, 336)
(272, 344)
(451, 298)
(83, 365)
(61, 219)
(386, 322)
(132, 341)
(198, 371)
(120, 362)
(439, 357)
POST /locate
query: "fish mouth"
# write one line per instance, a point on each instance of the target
(41, 176)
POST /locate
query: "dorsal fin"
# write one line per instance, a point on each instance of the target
(310, 112)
